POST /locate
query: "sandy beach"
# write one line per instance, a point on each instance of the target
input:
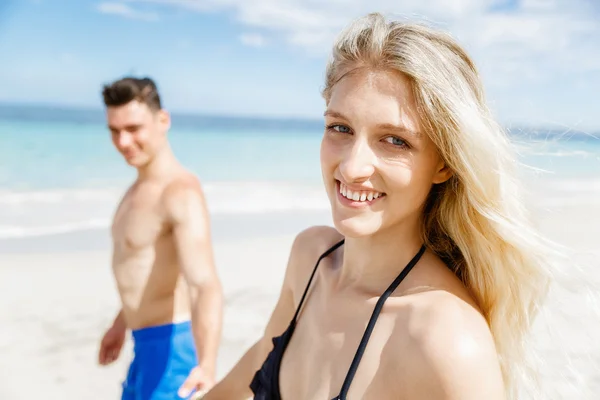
(57, 297)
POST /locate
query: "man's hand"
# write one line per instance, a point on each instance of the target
(111, 344)
(198, 380)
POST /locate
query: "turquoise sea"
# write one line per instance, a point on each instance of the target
(59, 172)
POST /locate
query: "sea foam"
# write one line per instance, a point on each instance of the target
(38, 213)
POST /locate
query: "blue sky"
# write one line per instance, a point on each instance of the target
(540, 59)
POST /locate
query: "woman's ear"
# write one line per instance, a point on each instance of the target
(442, 174)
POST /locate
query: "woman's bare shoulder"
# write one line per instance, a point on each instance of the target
(306, 249)
(316, 240)
(448, 344)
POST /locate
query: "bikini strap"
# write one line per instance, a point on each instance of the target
(325, 254)
(363, 343)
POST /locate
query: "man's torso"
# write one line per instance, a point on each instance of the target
(145, 264)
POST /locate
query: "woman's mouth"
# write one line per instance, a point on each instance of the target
(355, 197)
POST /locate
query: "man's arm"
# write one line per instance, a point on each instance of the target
(119, 320)
(112, 341)
(192, 236)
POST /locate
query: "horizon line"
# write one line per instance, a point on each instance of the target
(4, 104)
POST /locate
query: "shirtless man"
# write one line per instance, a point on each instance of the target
(171, 296)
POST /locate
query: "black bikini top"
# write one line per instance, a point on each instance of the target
(265, 384)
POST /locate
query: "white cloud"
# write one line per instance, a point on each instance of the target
(253, 39)
(126, 11)
(512, 42)
(548, 27)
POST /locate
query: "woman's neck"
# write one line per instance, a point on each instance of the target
(371, 263)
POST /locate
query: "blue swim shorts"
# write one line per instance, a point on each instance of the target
(164, 355)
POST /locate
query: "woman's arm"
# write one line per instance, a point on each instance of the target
(236, 384)
(304, 253)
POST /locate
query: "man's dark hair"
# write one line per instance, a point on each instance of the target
(128, 89)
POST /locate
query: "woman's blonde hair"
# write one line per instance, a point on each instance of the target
(475, 221)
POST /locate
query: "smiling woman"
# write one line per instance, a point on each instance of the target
(374, 145)
(431, 249)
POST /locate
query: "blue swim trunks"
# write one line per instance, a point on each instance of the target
(163, 357)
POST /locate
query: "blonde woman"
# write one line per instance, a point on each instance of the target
(430, 280)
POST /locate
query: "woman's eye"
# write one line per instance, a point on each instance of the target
(395, 141)
(340, 128)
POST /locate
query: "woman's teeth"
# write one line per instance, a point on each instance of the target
(358, 195)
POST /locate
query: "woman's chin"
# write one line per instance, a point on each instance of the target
(357, 226)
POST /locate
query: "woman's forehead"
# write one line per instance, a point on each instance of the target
(375, 97)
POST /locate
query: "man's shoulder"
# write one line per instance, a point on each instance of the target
(182, 195)
(184, 183)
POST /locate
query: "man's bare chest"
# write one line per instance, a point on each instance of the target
(139, 222)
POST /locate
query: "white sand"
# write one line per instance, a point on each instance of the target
(56, 301)
(56, 307)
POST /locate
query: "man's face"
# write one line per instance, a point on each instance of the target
(138, 132)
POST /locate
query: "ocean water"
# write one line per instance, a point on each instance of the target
(59, 172)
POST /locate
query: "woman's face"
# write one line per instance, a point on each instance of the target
(378, 165)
